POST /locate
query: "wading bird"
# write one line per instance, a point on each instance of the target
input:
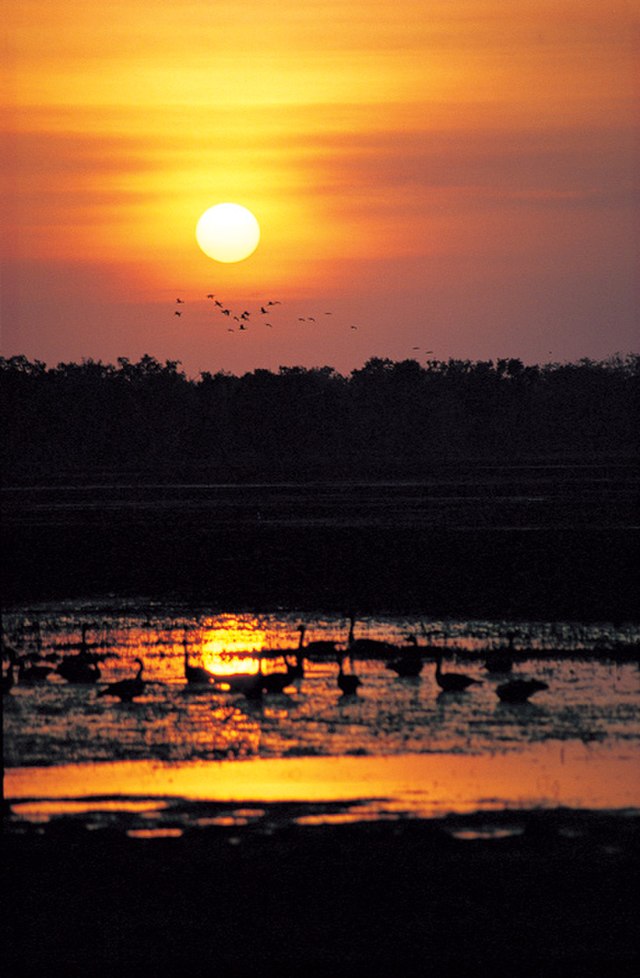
(82, 667)
(501, 660)
(519, 690)
(277, 681)
(126, 689)
(409, 663)
(348, 682)
(453, 682)
(195, 675)
(28, 673)
(320, 646)
(366, 646)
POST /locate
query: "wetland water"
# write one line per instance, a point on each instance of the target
(574, 744)
(195, 831)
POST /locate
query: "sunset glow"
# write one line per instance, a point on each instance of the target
(451, 176)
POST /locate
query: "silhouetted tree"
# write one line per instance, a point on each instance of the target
(144, 420)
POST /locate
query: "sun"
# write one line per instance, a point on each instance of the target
(228, 232)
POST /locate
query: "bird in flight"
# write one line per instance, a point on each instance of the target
(210, 295)
(179, 300)
(177, 313)
(354, 327)
(274, 302)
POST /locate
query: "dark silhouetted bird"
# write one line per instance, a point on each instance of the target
(320, 646)
(348, 682)
(366, 646)
(126, 689)
(277, 681)
(501, 660)
(28, 673)
(195, 675)
(519, 690)
(82, 667)
(410, 662)
(453, 682)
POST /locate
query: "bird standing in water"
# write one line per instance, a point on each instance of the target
(194, 674)
(126, 689)
(453, 682)
(409, 663)
(348, 682)
(519, 690)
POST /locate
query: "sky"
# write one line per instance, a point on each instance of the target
(432, 179)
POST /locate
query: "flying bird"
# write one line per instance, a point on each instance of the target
(180, 300)
(177, 313)
(274, 302)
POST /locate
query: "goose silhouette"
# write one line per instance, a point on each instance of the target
(453, 682)
(126, 690)
(347, 682)
(519, 690)
(409, 663)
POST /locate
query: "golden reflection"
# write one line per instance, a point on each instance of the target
(160, 833)
(229, 664)
(426, 785)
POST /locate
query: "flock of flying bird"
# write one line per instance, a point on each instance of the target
(406, 661)
(241, 319)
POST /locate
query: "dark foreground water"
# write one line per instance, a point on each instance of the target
(534, 542)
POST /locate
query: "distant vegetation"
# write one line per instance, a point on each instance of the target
(148, 421)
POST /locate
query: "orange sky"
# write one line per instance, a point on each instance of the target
(453, 176)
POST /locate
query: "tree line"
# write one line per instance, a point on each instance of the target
(388, 419)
